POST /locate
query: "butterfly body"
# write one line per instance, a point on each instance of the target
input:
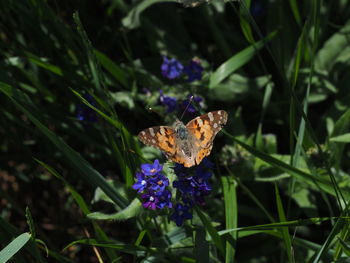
(186, 144)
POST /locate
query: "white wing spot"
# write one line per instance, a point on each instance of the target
(215, 125)
(162, 131)
(211, 116)
(153, 141)
(219, 112)
(151, 131)
(200, 122)
(143, 133)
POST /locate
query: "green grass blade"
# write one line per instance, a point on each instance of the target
(83, 206)
(331, 237)
(284, 231)
(201, 246)
(95, 71)
(294, 6)
(218, 242)
(130, 249)
(237, 61)
(74, 158)
(11, 249)
(116, 71)
(231, 213)
(299, 174)
(292, 223)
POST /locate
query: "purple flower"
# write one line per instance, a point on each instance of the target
(180, 214)
(164, 199)
(151, 183)
(85, 113)
(171, 68)
(159, 183)
(141, 183)
(193, 187)
(151, 201)
(193, 71)
(169, 102)
(151, 169)
(184, 185)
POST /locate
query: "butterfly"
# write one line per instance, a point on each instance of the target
(186, 144)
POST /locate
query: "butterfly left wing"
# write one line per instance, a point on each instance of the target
(161, 137)
(204, 129)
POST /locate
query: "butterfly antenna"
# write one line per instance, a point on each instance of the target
(189, 103)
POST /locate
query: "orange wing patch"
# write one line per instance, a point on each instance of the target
(203, 153)
(161, 137)
(179, 158)
(166, 140)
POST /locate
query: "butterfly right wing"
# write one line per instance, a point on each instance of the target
(161, 137)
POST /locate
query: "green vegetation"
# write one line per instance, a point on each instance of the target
(80, 79)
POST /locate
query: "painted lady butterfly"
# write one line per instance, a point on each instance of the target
(189, 144)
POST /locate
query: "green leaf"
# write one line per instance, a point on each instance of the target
(11, 249)
(341, 127)
(132, 20)
(132, 210)
(344, 138)
(237, 61)
(334, 50)
(236, 86)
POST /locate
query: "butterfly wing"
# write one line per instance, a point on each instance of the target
(204, 129)
(161, 137)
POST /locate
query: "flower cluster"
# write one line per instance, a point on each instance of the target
(85, 113)
(172, 104)
(191, 184)
(172, 69)
(151, 184)
(191, 188)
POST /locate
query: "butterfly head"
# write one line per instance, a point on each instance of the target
(181, 131)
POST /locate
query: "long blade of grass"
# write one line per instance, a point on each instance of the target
(331, 237)
(201, 246)
(11, 249)
(292, 223)
(218, 242)
(284, 231)
(231, 213)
